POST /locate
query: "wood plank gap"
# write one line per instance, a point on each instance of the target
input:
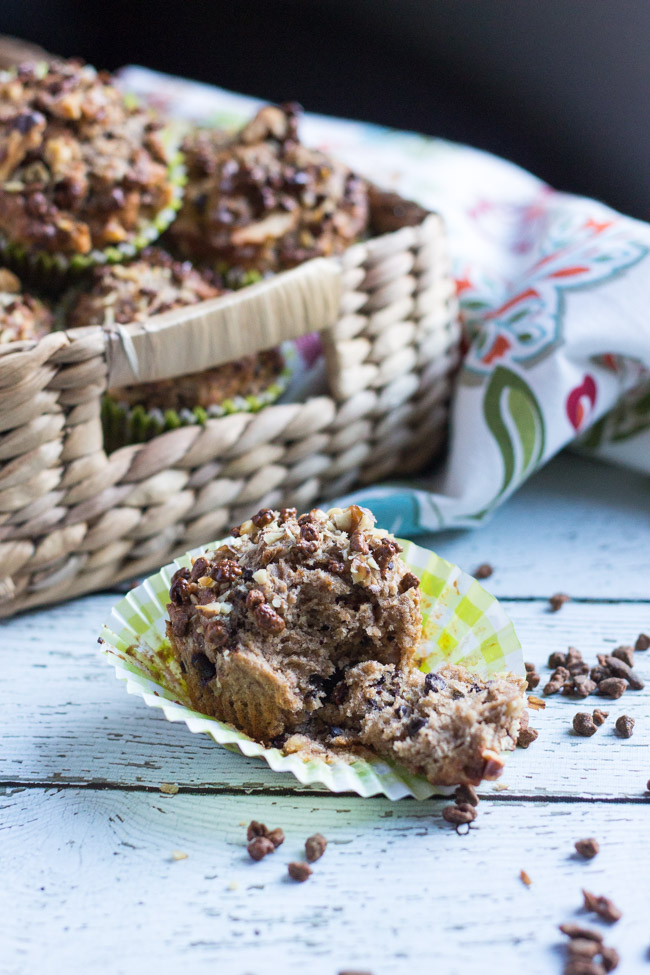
(19, 785)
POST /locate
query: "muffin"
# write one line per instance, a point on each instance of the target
(264, 626)
(261, 202)
(22, 316)
(85, 176)
(118, 294)
(302, 632)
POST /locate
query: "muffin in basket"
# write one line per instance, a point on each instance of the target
(260, 202)
(302, 632)
(85, 175)
(22, 316)
(118, 294)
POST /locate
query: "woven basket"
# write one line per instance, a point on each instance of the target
(74, 519)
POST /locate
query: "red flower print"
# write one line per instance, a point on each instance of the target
(580, 402)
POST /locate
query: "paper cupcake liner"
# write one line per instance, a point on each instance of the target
(51, 272)
(462, 624)
(124, 424)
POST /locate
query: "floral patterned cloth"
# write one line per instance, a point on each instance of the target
(554, 292)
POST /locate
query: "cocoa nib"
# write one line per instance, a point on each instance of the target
(612, 687)
(625, 726)
(557, 601)
(557, 659)
(268, 620)
(532, 677)
(626, 654)
(526, 737)
(408, 581)
(299, 871)
(602, 906)
(259, 847)
(459, 814)
(642, 642)
(315, 846)
(484, 571)
(587, 848)
(599, 716)
(584, 725)
(618, 668)
(262, 841)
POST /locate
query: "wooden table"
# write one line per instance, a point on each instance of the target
(89, 882)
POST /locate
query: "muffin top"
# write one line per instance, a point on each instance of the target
(123, 293)
(261, 200)
(21, 315)
(80, 168)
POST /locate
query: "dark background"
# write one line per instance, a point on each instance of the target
(560, 86)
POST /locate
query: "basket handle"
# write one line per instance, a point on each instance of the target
(186, 340)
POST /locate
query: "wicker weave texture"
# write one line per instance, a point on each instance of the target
(73, 519)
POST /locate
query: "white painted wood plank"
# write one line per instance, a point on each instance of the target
(577, 526)
(66, 719)
(89, 885)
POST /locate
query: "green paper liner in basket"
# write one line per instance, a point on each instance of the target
(124, 424)
(462, 624)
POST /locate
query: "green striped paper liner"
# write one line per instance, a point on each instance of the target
(123, 424)
(462, 624)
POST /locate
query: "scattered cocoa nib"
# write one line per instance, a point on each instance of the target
(587, 848)
(584, 725)
(557, 659)
(255, 829)
(525, 879)
(599, 717)
(612, 687)
(602, 906)
(581, 686)
(484, 571)
(466, 794)
(526, 737)
(618, 668)
(624, 653)
(315, 846)
(259, 847)
(459, 814)
(625, 726)
(532, 677)
(599, 673)
(642, 642)
(299, 871)
(557, 601)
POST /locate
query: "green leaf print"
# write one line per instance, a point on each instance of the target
(516, 422)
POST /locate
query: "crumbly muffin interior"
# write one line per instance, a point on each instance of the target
(447, 725)
(283, 607)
